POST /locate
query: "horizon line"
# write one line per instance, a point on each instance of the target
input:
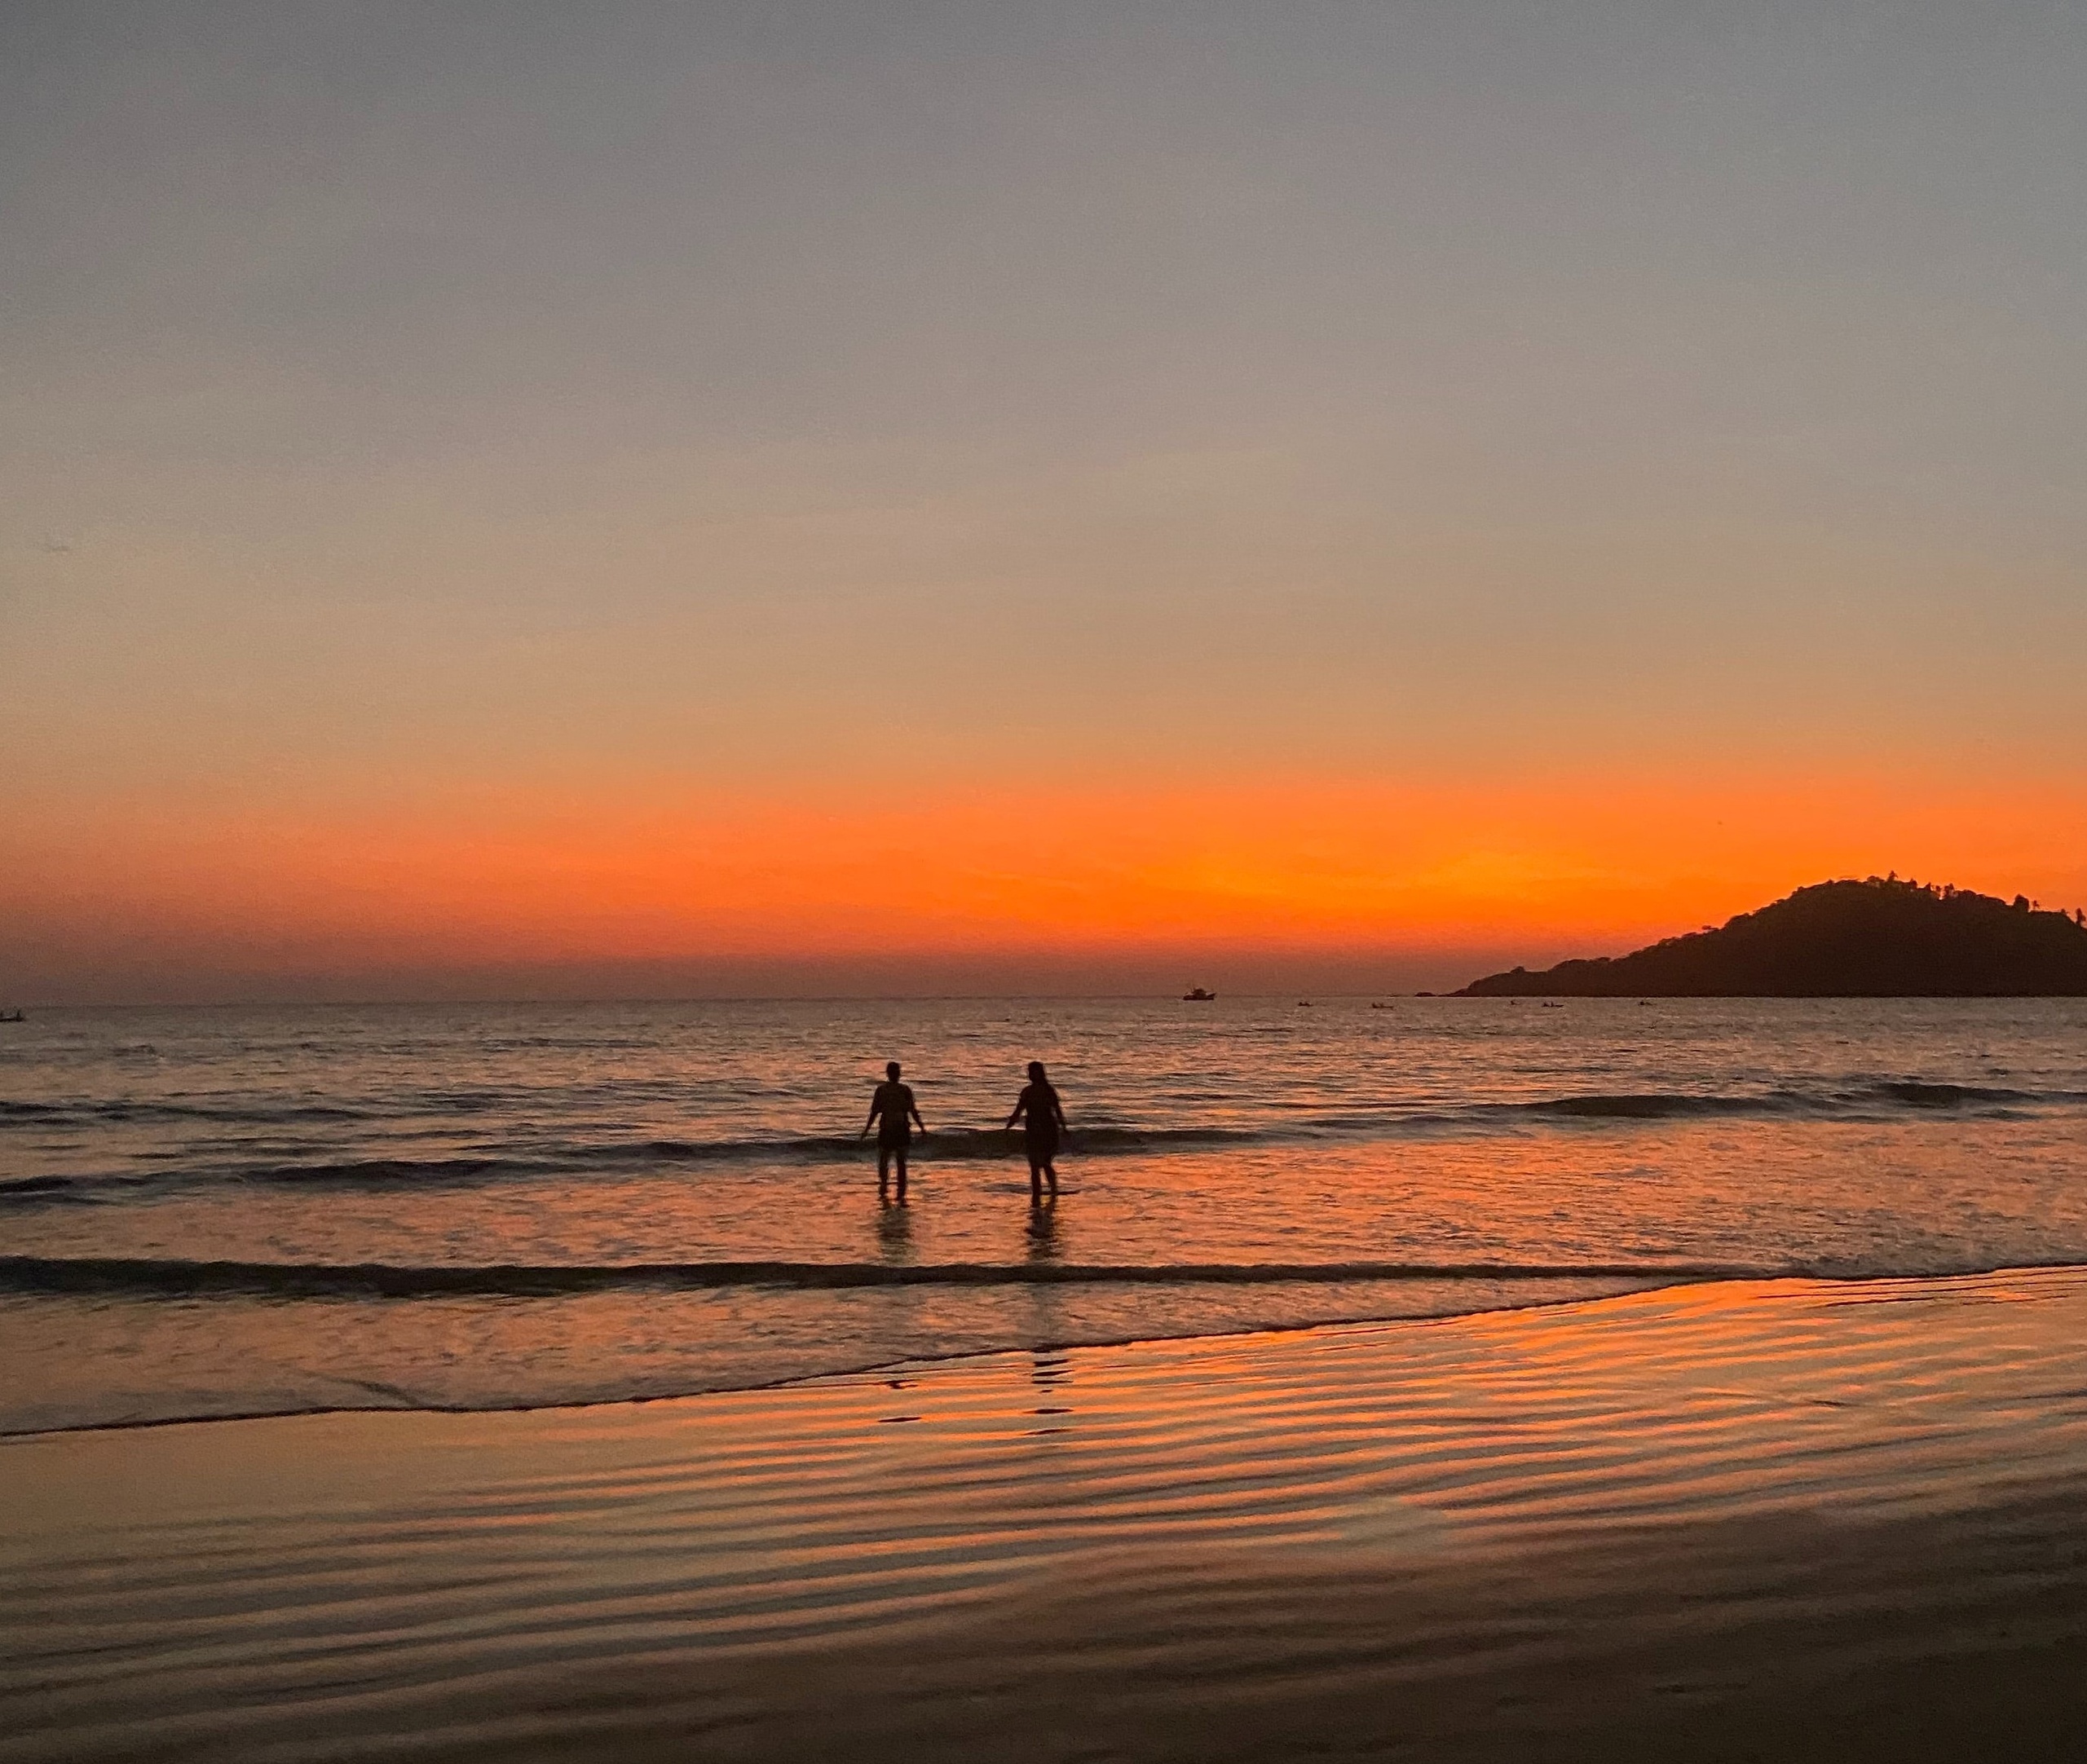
(737, 998)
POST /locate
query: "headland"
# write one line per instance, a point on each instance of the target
(1879, 938)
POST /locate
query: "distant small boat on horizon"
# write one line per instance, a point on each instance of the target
(12, 1017)
(1198, 995)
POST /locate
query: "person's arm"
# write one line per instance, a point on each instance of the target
(1021, 1103)
(1058, 1108)
(913, 1108)
(876, 1108)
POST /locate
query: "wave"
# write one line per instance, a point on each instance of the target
(119, 1111)
(1870, 1099)
(37, 1185)
(944, 1142)
(964, 1144)
(145, 1277)
(1860, 1099)
(1659, 1106)
(1916, 1093)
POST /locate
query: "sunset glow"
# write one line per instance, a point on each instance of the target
(1413, 885)
(875, 507)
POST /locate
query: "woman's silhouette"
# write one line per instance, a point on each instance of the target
(1045, 1120)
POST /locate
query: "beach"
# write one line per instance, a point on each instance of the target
(1041, 884)
(1786, 1518)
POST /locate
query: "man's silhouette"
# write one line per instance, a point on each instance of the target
(889, 1110)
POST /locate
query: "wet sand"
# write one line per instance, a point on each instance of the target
(1786, 1520)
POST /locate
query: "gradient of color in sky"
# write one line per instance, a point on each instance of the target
(648, 499)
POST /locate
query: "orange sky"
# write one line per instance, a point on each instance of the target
(1413, 885)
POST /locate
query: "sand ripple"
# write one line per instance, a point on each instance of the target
(301, 1588)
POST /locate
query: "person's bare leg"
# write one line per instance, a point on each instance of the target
(899, 1157)
(884, 1172)
(1050, 1170)
(1035, 1184)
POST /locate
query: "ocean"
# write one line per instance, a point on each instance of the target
(241, 1211)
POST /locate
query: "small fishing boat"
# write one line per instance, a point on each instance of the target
(12, 1017)
(1198, 995)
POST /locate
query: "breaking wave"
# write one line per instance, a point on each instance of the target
(144, 1277)
(1870, 1099)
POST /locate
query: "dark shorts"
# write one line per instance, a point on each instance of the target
(1043, 1144)
(894, 1139)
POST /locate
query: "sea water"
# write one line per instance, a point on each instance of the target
(240, 1212)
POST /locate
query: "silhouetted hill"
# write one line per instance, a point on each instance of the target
(1879, 939)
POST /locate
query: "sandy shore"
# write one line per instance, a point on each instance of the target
(1784, 1519)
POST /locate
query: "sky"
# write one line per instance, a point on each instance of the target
(649, 501)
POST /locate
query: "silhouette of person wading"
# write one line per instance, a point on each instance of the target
(1043, 1121)
(890, 1107)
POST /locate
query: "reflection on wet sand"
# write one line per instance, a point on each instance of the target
(1801, 1517)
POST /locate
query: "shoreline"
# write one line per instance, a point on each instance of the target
(1318, 1540)
(1647, 1280)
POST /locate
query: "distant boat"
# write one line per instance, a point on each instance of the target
(12, 1017)
(1303, 1004)
(1198, 995)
